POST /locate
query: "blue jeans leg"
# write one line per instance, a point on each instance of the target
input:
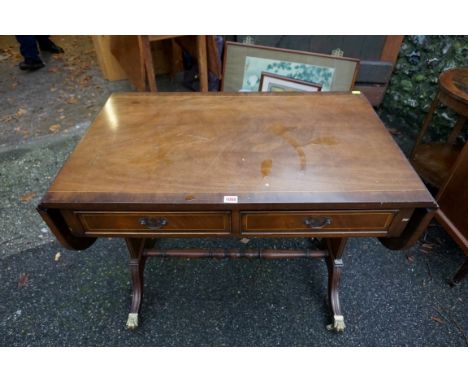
(28, 47)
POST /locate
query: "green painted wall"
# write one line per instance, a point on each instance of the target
(414, 82)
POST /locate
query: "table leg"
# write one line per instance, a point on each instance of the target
(147, 59)
(425, 125)
(335, 266)
(202, 63)
(456, 130)
(137, 267)
(461, 274)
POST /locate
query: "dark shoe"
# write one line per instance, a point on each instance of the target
(51, 48)
(31, 64)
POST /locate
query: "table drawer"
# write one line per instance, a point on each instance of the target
(157, 222)
(316, 221)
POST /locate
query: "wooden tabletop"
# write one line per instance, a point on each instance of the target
(180, 148)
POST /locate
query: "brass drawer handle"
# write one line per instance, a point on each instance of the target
(317, 222)
(153, 223)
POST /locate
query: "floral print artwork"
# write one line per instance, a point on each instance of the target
(254, 66)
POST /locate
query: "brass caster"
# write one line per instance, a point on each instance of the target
(132, 322)
(338, 324)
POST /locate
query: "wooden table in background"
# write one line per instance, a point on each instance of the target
(132, 58)
(434, 161)
(445, 165)
(237, 165)
(453, 212)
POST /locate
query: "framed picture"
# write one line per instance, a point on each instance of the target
(243, 65)
(273, 83)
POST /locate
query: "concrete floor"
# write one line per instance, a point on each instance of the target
(51, 296)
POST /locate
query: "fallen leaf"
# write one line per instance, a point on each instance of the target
(410, 259)
(57, 256)
(22, 280)
(27, 196)
(53, 88)
(55, 128)
(71, 100)
(426, 245)
(6, 118)
(437, 319)
(394, 131)
(85, 81)
(54, 69)
(21, 112)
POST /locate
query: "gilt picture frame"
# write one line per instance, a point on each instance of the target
(270, 82)
(244, 63)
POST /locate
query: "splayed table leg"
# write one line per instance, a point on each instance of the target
(335, 266)
(137, 267)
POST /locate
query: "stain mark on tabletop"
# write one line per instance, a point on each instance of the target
(265, 167)
(324, 141)
(283, 132)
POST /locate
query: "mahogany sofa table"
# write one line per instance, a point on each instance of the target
(237, 165)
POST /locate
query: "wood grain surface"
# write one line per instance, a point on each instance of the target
(194, 149)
